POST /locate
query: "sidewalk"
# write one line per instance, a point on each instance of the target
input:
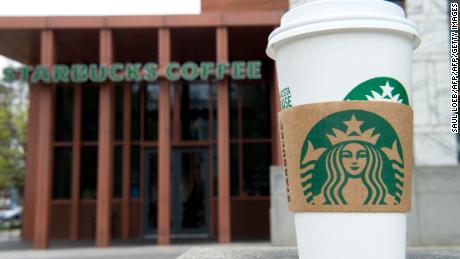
(128, 252)
(146, 249)
(138, 249)
(9, 235)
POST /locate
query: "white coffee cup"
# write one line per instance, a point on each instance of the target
(328, 51)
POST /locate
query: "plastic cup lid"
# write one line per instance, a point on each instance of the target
(328, 15)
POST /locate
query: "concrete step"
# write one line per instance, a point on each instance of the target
(291, 253)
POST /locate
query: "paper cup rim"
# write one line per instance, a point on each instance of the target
(359, 21)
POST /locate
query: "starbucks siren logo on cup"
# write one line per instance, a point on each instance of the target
(348, 152)
(348, 156)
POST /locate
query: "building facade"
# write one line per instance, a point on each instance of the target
(155, 159)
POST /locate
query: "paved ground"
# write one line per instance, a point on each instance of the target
(119, 252)
(7, 236)
(291, 253)
(12, 248)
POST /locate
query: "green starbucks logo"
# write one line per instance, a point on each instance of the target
(352, 157)
(380, 89)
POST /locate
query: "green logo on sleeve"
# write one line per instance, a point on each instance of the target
(380, 89)
(352, 157)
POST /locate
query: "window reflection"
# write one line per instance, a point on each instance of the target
(256, 110)
(214, 110)
(135, 173)
(88, 172)
(194, 110)
(63, 119)
(152, 92)
(256, 164)
(215, 169)
(193, 193)
(151, 188)
(135, 111)
(90, 118)
(250, 131)
(233, 95)
(234, 168)
(62, 171)
(117, 171)
(119, 111)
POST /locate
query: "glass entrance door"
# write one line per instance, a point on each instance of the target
(190, 193)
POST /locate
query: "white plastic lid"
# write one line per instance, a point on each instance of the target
(326, 15)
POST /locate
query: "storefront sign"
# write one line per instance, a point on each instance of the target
(133, 72)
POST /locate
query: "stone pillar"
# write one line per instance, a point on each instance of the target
(434, 144)
(282, 229)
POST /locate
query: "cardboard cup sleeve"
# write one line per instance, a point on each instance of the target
(348, 156)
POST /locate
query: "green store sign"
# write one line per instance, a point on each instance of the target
(133, 72)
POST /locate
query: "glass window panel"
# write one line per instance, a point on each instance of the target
(256, 110)
(192, 181)
(117, 171)
(151, 112)
(90, 113)
(256, 163)
(152, 188)
(215, 168)
(63, 119)
(214, 110)
(62, 172)
(119, 111)
(135, 111)
(135, 172)
(88, 172)
(234, 170)
(233, 95)
(194, 111)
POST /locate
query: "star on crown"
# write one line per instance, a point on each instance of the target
(386, 94)
(353, 133)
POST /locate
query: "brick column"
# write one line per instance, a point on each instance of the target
(44, 147)
(164, 143)
(223, 142)
(105, 148)
(28, 217)
(76, 152)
